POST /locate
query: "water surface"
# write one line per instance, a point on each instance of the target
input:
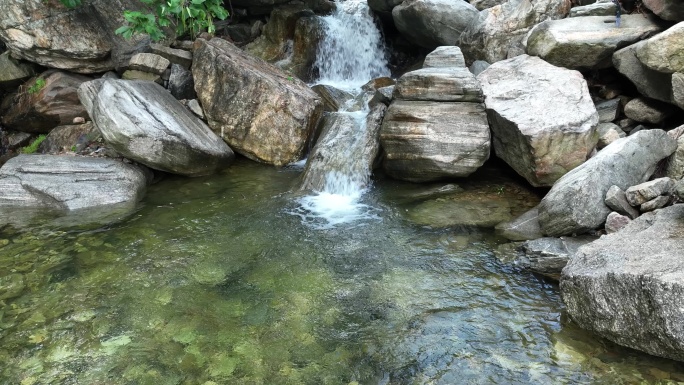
(214, 281)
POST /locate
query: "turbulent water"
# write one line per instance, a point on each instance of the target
(213, 282)
(351, 53)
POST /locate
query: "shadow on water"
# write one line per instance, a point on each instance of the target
(214, 282)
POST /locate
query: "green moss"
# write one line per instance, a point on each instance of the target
(33, 147)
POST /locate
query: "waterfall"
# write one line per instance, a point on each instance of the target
(337, 172)
(352, 51)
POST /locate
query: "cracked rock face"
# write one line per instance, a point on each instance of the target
(144, 122)
(542, 117)
(260, 111)
(80, 40)
(628, 286)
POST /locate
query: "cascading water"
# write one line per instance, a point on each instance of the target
(351, 53)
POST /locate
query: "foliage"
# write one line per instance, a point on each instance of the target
(37, 86)
(33, 147)
(188, 16)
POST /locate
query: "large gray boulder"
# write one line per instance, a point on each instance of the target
(628, 286)
(664, 52)
(432, 23)
(260, 111)
(55, 103)
(80, 40)
(501, 29)
(67, 183)
(587, 42)
(675, 164)
(672, 10)
(144, 122)
(542, 117)
(575, 203)
(599, 8)
(445, 56)
(651, 83)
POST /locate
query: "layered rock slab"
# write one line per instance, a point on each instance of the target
(628, 286)
(66, 183)
(587, 42)
(261, 112)
(436, 127)
(542, 117)
(575, 203)
(144, 122)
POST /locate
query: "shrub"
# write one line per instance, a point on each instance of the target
(33, 147)
(37, 86)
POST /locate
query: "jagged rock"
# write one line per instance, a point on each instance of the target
(176, 56)
(616, 200)
(445, 56)
(478, 66)
(332, 97)
(426, 141)
(647, 111)
(644, 192)
(68, 138)
(678, 89)
(374, 84)
(608, 133)
(356, 161)
(616, 222)
(503, 27)
(149, 62)
(650, 83)
(672, 10)
(181, 83)
(145, 123)
(675, 164)
(575, 203)
(481, 5)
(13, 72)
(309, 32)
(382, 95)
(196, 109)
(679, 189)
(587, 42)
(600, 8)
(548, 256)
(55, 103)
(608, 110)
(79, 39)
(67, 183)
(525, 227)
(542, 117)
(272, 45)
(655, 204)
(259, 111)
(433, 23)
(663, 53)
(439, 85)
(628, 286)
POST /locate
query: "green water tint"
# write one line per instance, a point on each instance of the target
(213, 282)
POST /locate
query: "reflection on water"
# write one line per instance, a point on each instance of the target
(214, 282)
